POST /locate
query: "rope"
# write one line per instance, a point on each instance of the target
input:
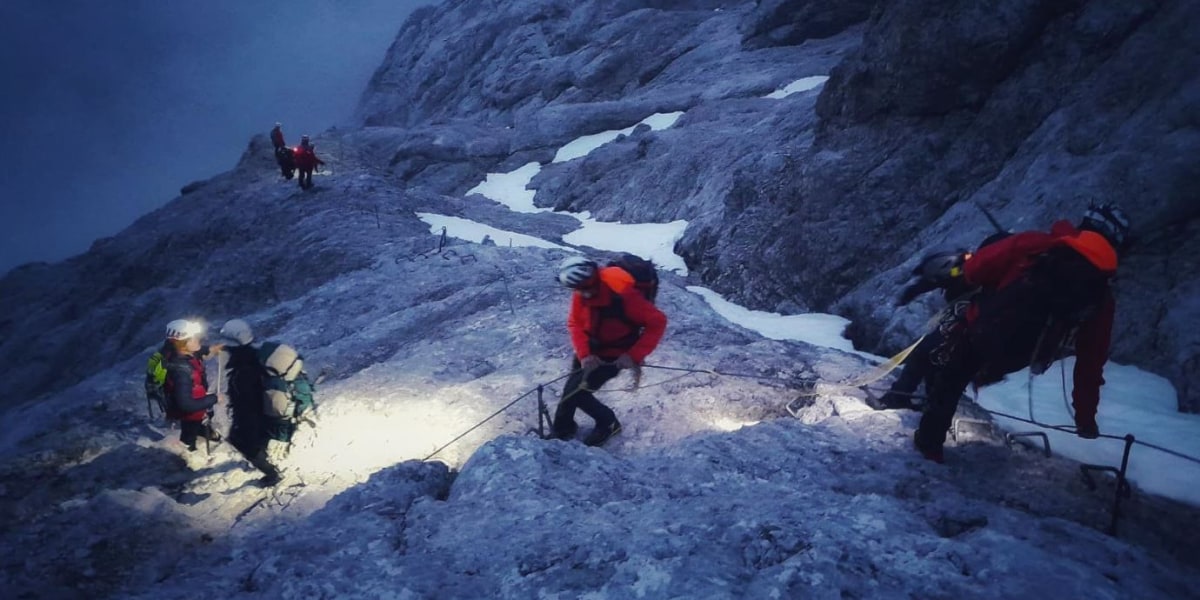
(1063, 428)
(493, 415)
(1071, 430)
(637, 386)
(871, 378)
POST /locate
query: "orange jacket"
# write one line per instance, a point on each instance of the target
(996, 265)
(616, 320)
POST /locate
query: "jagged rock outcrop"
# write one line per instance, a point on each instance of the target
(1033, 112)
(792, 22)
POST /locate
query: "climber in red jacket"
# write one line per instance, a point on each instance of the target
(1038, 292)
(306, 160)
(613, 326)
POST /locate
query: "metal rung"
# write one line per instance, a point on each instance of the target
(1124, 490)
(954, 426)
(1008, 438)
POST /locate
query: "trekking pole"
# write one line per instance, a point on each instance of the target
(543, 413)
(320, 378)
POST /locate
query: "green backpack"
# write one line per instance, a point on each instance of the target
(156, 376)
(288, 394)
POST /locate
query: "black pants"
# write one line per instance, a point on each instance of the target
(574, 397)
(945, 385)
(189, 431)
(250, 438)
(305, 178)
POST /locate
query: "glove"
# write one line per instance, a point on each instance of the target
(625, 361)
(589, 363)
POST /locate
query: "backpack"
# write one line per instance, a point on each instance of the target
(645, 276)
(645, 281)
(288, 393)
(1031, 321)
(156, 377)
(285, 157)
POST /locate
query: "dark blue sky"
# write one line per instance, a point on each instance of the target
(110, 107)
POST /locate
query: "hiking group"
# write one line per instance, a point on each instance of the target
(1020, 300)
(269, 394)
(302, 158)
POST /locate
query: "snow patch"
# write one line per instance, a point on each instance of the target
(800, 85)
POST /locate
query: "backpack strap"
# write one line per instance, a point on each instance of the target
(614, 310)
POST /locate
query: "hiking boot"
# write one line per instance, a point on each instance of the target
(931, 454)
(1086, 428)
(565, 434)
(269, 480)
(601, 434)
(894, 401)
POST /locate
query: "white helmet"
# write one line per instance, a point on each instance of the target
(238, 331)
(575, 271)
(182, 329)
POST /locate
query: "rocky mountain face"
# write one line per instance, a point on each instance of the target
(820, 200)
(910, 113)
(1031, 110)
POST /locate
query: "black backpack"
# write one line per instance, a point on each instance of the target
(1029, 320)
(645, 276)
(645, 280)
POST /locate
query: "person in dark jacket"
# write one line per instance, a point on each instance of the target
(244, 374)
(1015, 322)
(186, 386)
(277, 137)
(612, 327)
(284, 156)
(306, 160)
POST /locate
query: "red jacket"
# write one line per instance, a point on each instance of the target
(996, 265)
(617, 320)
(306, 158)
(277, 138)
(185, 379)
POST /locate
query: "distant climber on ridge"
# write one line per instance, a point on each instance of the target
(306, 160)
(284, 156)
(277, 137)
